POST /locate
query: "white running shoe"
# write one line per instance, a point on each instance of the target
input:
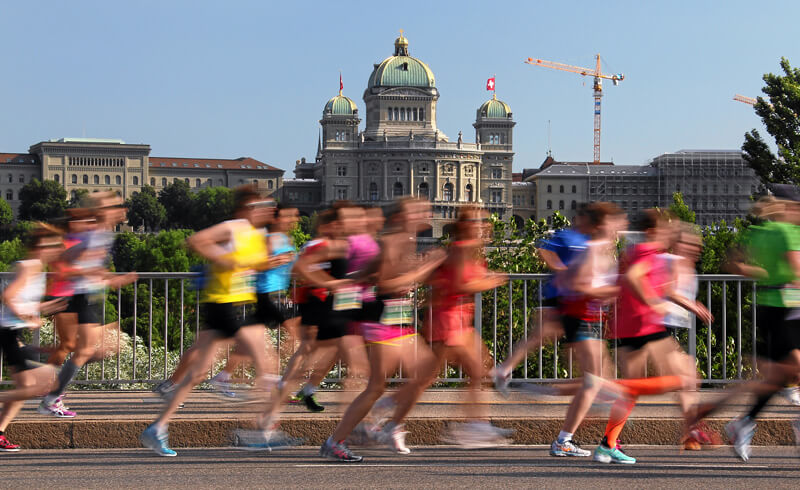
(792, 394)
(395, 437)
(383, 410)
(567, 448)
(501, 381)
(475, 435)
(56, 409)
(740, 432)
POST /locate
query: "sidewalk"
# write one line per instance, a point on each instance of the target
(114, 419)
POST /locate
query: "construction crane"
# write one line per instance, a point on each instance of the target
(745, 99)
(597, 86)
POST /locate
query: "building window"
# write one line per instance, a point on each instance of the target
(396, 114)
(561, 189)
(341, 193)
(85, 179)
(96, 179)
(373, 191)
(118, 180)
(389, 114)
(198, 182)
(74, 178)
(497, 196)
(270, 185)
(573, 205)
(21, 179)
(423, 190)
(9, 195)
(107, 180)
(561, 204)
(341, 171)
(422, 114)
(533, 200)
(448, 192)
(468, 193)
(497, 173)
(135, 180)
(209, 182)
(549, 188)
(220, 182)
(152, 181)
(163, 182)
(56, 178)
(549, 204)
(10, 178)
(574, 190)
(397, 190)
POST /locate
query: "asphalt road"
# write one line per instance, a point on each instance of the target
(440, 467)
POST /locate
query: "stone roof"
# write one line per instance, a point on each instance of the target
(241, 163)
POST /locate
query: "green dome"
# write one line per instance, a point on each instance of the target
(494, 109)
(401, 70)
(340, 106)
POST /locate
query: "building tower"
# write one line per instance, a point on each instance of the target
(339, 122)
(494, 126)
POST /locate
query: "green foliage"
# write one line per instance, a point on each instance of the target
(780, 113)
(681, 209)
(178, 202)
(6, 213)
(42, 200)
(10, 252)
(211, 206)
(79, 199)
(298, 236)
(144, 210)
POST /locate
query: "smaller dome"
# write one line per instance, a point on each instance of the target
(340, 106)
(401, 42)
(494, 109)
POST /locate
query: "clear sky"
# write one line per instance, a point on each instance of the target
(250, 78)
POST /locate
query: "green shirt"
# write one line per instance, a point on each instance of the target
(768, 246)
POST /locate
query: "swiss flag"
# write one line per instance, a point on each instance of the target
(490, 84)
(341, 85)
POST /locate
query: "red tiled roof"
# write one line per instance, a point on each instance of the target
(17, 158)
(241, 163)
(516, 177)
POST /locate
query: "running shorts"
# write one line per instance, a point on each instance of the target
(636, 343)
(224, 319)
(269, 311)
(776, 335)
(16, 355)
(88, 307)
(334, 324)
(577, 330)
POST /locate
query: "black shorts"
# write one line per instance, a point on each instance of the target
(16, 356)
(577, 330)
(88, 307)
(224, 319)
(636, 343)
(269, 311)
(334, 324)
(550, 302)
(311, 311)
(777, 337)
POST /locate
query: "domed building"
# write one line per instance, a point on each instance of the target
(400, 151)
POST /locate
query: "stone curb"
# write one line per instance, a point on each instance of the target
(96, 434)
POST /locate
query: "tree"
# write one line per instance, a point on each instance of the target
(6, 214)
(144, 210)
(211, 206)
(42, 200)
(680, 209)
(79, 199)
(177, 200)
(780, 113)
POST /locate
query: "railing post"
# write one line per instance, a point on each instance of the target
(478, 320)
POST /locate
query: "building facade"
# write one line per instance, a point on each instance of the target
(107, 164)
(401, 152)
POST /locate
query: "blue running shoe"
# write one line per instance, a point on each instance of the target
(264, 440)
(612, 455)
(157, 441)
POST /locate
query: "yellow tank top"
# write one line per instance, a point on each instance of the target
(248, 248)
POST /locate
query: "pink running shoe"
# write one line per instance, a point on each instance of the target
(56, 409)
(8, 446)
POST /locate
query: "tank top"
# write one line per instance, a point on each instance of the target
(604, 273)
(60, 285)
(686, 286)
(247, 247)
(27, 300)
(277, 278)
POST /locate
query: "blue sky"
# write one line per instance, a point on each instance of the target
(250, 78)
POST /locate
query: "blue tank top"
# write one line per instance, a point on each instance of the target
(276, 279)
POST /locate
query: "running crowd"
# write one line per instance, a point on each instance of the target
(353, 287)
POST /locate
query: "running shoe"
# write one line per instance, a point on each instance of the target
(310, 403)
(7, 446)
(294, 399)
(164, 387)
(612, 455)
(475, 435)
(56, 409)
(338, 451)
(382, 411)
(222, 388)
(792, 394)
(363, 434)
(501, 381)
(395, 437)
(264, 440)
(151, 438)
(741, 432)
(568, 448)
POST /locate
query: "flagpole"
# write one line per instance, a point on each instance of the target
(494, 89)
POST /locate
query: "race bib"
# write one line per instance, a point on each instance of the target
(241, 282)
(790, 297)
(397, 312)
(347, 299)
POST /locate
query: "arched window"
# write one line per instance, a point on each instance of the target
(197, 182)
(402, 113)
(269, 184)
(85, 179)
(135, 180)
(574, 189)
(57, 178)
(423, 190)
(397, 189)
(73, 195)
(10, 178)
(209, 182)
(220, 182)
(396, 114)
(107, 180)
(187, 180)
(414, 112)
(573, 205)
(118, 180)
(21, 178)
(422, 114)
(96, 179)
(549, 188)
(9, 195)
(152, 181)
(561, 189)
(448, 192)
(468, 192)
(373, 191)
(74, 178)
(389, 114)
(549, 204)
(163, 181)
(561, 204)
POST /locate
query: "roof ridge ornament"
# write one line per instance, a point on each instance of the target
(401, 45)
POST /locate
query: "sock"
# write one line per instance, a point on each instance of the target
(761, 402)
(65, 376)
(564, 437)
(620, 411)
(651, 386)
(308, 390)
(2, 432)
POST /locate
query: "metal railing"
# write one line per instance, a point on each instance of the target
(156, 319)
